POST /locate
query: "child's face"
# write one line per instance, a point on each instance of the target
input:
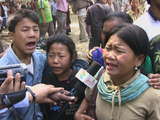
(59, 58)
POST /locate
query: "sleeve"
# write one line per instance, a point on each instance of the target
(6, 114)
(23, 103)
(80, 63)
(154, 112)
(3, 110)
(88, 17)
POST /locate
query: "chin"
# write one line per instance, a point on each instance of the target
(57, 72)
(112, 73)
(29, 52)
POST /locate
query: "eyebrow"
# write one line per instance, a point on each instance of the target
(25, 26)
(115, 44)
(52, 52)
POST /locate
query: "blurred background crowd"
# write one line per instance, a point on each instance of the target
(56, 16)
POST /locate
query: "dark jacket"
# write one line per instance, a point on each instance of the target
(59, 112)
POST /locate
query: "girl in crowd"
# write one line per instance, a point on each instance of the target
(61, 55)
(122, 88)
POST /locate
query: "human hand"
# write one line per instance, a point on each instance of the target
(46, 93)
(11, 85)
(82, 116)
(63, 95)
(89, 55)
(154, 80)
(96, 54)
(42, 92)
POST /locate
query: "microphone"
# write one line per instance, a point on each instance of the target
(97, 55)
(85, 78)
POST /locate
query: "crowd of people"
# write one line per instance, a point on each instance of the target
(120, 35)
(55, 15)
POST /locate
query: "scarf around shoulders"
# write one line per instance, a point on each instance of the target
(125, 93)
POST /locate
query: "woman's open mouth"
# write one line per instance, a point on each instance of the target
(111, 66)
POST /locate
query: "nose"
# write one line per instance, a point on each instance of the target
(110, 55)
(55, 59)
(31, 32)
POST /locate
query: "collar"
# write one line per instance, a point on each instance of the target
(12, 56)
(108, 80)
(115, 95)
(30, 67)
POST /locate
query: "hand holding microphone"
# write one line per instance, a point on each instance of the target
(48, 94)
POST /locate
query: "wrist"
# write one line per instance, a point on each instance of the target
(31, 95)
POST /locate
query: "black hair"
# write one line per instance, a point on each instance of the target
(134, 36)
(65, 40)
(124, 17)
(20, 15)
(149, 1)
(23, 6)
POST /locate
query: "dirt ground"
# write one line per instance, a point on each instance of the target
(82, 47)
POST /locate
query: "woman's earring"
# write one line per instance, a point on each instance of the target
(136, 68)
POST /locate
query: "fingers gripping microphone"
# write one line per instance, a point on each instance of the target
(85, 78)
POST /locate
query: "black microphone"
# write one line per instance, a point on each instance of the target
(85, 78)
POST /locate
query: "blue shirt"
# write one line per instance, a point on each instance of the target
(25, 113)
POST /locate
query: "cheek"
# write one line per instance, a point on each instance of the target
(122, 57)
(126, 60)
(67, 62)
(104, 52)
(20, 38)
(19, 41)
(50, 61)
(37, 34)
